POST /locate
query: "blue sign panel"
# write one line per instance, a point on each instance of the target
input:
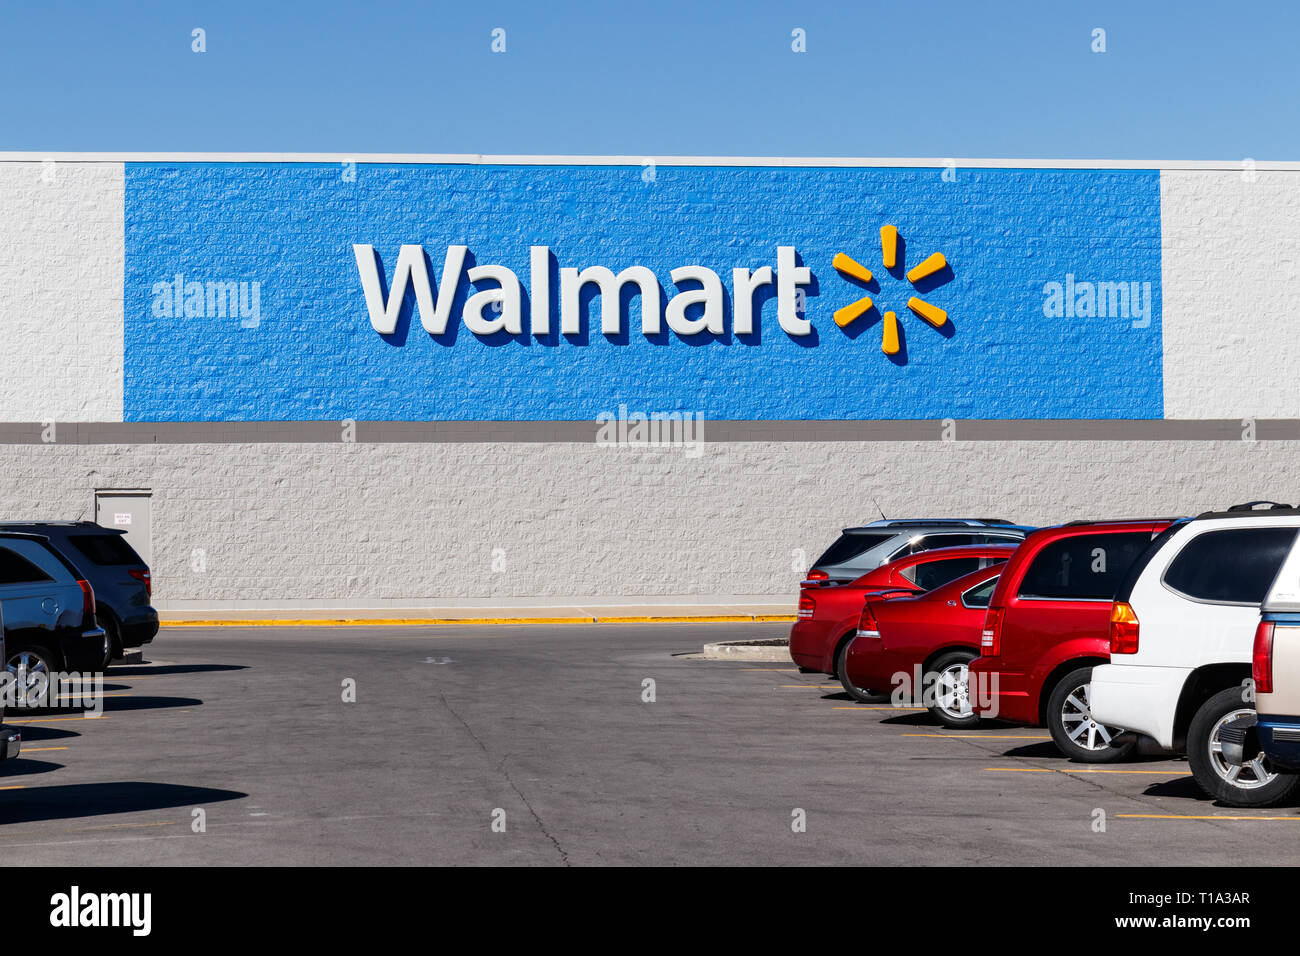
(269, 292)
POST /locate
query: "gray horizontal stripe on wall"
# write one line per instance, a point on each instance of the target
(218, 433)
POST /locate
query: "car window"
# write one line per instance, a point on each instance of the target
(849, 546)
(929, 542)
(15, 569)
(933, 574)
(1000, 539)
(1085, 567)
(105, 549)
(981, 594)
(1232, 566)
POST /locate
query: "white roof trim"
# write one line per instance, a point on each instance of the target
(474, 159)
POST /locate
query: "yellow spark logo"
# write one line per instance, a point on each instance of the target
(850, 268)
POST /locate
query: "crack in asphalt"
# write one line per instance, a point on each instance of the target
(501, 769)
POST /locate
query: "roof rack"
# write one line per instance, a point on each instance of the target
(1251, 508)
(1078, 521)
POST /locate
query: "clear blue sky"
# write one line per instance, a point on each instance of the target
(1190, 80)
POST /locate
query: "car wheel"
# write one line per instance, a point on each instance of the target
(32, 670)
(1074, 731)
(841, 671)
(947, 683)
(1249, 784)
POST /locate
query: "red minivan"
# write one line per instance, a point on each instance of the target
(1048, 625)
(828, 615)
(918, 648)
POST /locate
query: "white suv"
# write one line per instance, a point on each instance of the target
(1182, 631)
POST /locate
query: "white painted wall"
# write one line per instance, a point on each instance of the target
(1231, 277)
(61, 264)
(416, 524)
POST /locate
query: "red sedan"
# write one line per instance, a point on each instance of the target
(828, 616)
(919, 647)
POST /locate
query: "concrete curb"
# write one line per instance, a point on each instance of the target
(762, 650)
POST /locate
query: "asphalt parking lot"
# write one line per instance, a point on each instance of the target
(453, 725)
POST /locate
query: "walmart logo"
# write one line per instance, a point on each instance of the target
(492, 301)
(889, 256)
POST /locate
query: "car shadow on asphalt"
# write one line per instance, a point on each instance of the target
(133, 671)
(913, 718)
(118, 705)
(24, 767)
(73, 801)
(1184, 787)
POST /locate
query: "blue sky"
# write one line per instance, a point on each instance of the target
(1189, 80)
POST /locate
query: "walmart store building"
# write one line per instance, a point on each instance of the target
(421, 384)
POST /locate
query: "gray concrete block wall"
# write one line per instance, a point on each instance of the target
(375, 525)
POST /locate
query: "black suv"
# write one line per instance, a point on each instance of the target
(122, 582)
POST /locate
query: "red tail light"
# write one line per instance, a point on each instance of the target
(806, 607)
(87, 601)
(1123, 629)
(991, 636)
(1261, 658)
(146, 577)
(867, 624)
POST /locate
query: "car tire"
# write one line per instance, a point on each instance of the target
(841, 671)
(1252, 784)
(947, 680)
(31, 660)
(112, 643)
(1075, 733)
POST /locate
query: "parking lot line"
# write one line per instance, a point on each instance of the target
(1188, 816)
(979, 736)
(16, 787)
(32, 750)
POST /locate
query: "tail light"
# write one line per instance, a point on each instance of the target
(146, 578)
(991, 636)
(806, 607)
(1123, 629)
(1261, 658)
(87, 601)
(867, 624)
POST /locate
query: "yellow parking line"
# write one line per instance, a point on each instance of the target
(32, 750)
(978, 736)
(1176, 816)
(14, 787)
